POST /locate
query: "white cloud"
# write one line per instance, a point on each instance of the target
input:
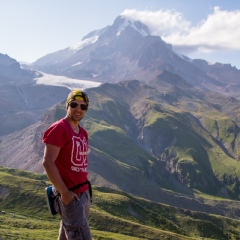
(219, 31)
(162, 22)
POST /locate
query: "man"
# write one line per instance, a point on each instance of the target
(65, 161)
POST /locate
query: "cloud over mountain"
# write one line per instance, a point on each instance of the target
(219, 31)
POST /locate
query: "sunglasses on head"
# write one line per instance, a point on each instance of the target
(74, 105)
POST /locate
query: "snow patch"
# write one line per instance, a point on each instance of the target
(128, 22)
(184, 57)
(78, 63)
(62, 81)
(83, 44)
(212, 63)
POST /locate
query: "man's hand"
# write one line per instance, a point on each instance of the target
(68, 196)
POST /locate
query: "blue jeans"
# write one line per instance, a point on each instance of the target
(74, 224)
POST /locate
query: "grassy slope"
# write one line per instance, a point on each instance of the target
(114, 214)
(198, 158)
(200, 141)
(200, 149)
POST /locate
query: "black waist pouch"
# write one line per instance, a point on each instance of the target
(51, 197)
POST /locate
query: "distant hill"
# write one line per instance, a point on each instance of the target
(26, 94)
(22, 101)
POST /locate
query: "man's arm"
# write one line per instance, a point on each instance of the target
(50, 155)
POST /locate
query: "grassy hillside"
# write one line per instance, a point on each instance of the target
(167, 157)
(199, 148)
(167, 131)
(166, 134)
(114, 214)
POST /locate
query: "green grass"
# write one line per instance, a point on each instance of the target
(113, 215)
(222, 127)
(26, 227)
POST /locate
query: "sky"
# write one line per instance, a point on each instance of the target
(205, 29)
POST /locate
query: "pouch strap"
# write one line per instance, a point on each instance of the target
(80, 185)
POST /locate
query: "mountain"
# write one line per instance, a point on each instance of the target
(157, 141)
(21, 98)
(123, 51)
(26, 94)
(126, 50)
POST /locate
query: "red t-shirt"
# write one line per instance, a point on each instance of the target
(72, 161)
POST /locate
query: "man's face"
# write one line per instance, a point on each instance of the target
(76, 110)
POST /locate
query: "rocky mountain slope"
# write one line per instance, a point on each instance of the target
(22, 101)
(26, 94)
(147, 138)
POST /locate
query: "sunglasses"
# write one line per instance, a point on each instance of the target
(74, 105)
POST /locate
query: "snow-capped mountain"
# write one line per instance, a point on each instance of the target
(123, 51)
(126, 50)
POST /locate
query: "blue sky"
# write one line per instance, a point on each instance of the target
(207, 29)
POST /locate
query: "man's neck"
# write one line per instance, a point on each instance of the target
(73, 124)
